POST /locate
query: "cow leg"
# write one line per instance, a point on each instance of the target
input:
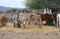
(0, 25)
(29, 23)
(57, 21)
(54, 22)
(24, 24)
(39, 24)
(35, 22)
(14, 24)
(3, 23)
(19, 24)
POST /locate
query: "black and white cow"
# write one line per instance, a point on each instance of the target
(15, 20)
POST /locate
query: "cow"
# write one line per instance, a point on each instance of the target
(58, 20)
(4, 20)
(22, 19)
(47, 18)
(32, 18)
(15, 20)
(36, 18)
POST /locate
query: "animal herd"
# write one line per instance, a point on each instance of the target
(19, 19)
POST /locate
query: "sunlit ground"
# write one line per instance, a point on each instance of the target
(30, 32)
(30, 28)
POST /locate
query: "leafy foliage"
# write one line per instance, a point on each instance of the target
(38, 4)
(18, 10)
(11, 10)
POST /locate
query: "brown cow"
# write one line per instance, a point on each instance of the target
(33, 18)
(3, 20)
(36, 18)
(47, 17)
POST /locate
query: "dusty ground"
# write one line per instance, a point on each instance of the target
(30, 32)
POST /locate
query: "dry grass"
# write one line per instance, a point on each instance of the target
(30, 28)
(30, 32)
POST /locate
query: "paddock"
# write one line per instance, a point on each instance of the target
(30, 32)
(46, 32)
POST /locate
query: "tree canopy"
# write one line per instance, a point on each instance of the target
(38, 4)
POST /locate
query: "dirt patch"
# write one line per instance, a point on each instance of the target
(32, 32)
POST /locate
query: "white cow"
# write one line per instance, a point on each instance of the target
(58, 20)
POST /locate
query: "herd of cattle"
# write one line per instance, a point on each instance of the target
(20, 19)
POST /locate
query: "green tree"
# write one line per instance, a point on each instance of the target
(12, 10)
(41, 4)
(1, 11)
